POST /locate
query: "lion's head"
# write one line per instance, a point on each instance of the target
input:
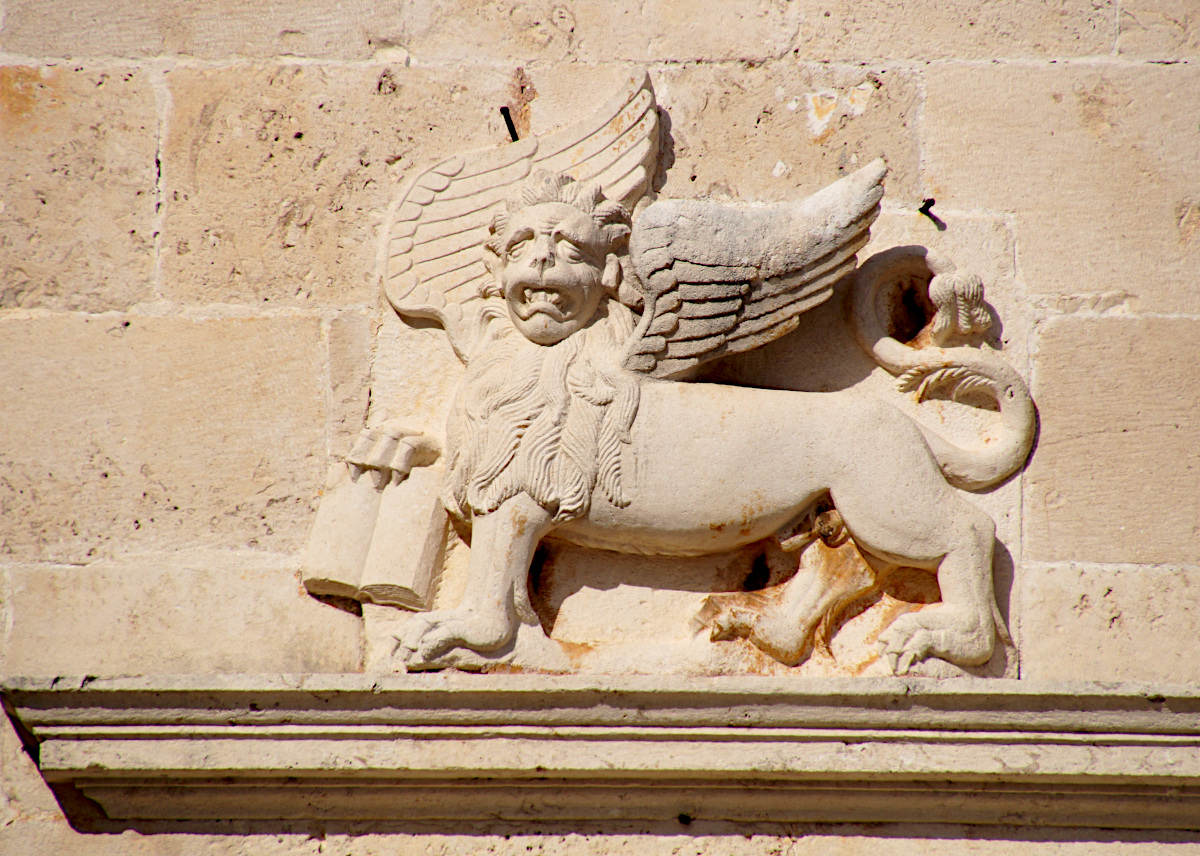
(553, 252)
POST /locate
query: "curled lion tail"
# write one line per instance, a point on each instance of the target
(958, 299)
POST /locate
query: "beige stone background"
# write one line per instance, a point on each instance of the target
(189, 197)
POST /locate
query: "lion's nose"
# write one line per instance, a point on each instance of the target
(542, 255)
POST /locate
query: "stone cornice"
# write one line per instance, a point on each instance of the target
(527, 747)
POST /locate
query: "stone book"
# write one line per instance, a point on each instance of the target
(376, 545)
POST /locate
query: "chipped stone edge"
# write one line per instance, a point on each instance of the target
(533, 747)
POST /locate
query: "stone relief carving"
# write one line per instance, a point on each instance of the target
(583, 310)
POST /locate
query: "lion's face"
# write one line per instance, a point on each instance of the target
(553, 265)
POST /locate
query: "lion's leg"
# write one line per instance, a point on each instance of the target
(931, 526)
(960, 629)
(496, 599)
(828, 578)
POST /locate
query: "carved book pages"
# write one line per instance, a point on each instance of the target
(341, 535)
(379, 546)
(409, 542)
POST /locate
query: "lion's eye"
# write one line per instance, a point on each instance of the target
(570, 252)
(514, 251)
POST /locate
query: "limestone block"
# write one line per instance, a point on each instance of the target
(1087, 623)
(420, 397)
(698, 838)
(238, 611)
(322, 149)
(1097, 163)
(658, 31)
(130, 28)
(349, 377)
(1160, 29)
(121, 432)
(846, 30)
(780, 131)
(77, 187)
(1115, 474)
(22, 790)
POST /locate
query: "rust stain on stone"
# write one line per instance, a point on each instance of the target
(1095, 107)
(21, 90)
(576, 651)
(521, 93)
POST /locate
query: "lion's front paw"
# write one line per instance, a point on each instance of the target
(458, 639)
(957, 636)
(429, 637)
(393, 450)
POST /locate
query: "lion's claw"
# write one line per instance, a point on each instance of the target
(953, 635)
(424, 639)
(444, 637)
(907, 642)
(393, 449)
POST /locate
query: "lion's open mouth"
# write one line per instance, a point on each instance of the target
(540, 296)
(545, 299)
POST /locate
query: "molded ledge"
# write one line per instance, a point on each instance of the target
(527, 747)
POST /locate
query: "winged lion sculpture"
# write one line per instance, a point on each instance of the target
(581, 309)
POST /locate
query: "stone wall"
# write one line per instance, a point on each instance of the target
(189, 201)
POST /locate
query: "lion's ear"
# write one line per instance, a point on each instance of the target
(495, 267)
(491, 260)
(611, 278)
(491, 247)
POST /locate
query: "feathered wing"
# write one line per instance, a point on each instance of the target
(436, 228)
(718, 280)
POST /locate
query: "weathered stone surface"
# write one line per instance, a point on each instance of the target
(121, 432)
(323, 148)
(525, 31)
(781, 130)
(1062, 156)
(841, 31)
(414, 375)
(77, 187)
(349, 337)
(353, 29)
(699, 838)
(1097, 163)
(845, 30)
(1159, 29)
(1088, 623)
(1114, 477)
(174, 613)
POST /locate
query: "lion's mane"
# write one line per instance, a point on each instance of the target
(549, 421)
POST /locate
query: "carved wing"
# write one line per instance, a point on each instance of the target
(718, 280)
(434, 263)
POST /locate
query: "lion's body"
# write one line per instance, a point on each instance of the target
(711, 468)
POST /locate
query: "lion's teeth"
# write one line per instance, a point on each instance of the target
(535, 296)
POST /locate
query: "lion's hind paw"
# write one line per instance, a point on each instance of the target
(955, 635)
